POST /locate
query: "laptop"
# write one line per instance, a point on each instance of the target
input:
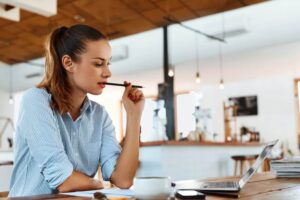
(230, 186)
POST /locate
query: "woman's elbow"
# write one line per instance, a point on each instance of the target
(121, 181)
(62, 189)
(124, 184)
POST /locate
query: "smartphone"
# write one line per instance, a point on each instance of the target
(189, 194)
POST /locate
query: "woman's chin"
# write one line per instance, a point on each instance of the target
(96, 92)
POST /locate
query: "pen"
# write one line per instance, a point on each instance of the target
(120, 84)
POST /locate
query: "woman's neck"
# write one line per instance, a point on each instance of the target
(77, 100)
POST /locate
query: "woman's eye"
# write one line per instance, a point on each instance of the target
(101, 64)
(98, 64)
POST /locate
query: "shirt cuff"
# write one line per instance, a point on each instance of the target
(108, 167)
(66, 173)
(58, 172)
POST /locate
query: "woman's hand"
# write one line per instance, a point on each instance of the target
(133, 100)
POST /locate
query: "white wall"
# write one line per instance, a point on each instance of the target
(6, 110)
(5, 170)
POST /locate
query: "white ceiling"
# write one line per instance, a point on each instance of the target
(267, 24)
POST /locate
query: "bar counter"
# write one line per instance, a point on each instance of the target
(191, 159)
(196, 143)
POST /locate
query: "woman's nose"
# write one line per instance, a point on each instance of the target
(107, 72)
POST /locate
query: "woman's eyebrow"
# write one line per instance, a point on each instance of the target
(99, 58)
(102, 58)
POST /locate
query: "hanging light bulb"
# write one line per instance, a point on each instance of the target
(198, 78)
(221, 84)
(171, 72)
(11, 100)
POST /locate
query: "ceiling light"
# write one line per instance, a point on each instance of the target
(221, 86)
(11, 100)
(198, 78)
(171, 72)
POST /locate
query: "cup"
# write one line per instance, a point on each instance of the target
(152, 187)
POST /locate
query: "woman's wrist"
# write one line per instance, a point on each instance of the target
(134, 118)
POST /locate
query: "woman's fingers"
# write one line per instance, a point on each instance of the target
(135, 94)
(128, 88)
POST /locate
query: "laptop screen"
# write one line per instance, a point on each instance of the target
(259, 160)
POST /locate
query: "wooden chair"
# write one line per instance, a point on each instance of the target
(240, 160)
(3, 194)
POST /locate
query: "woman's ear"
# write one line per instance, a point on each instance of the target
(67, 63)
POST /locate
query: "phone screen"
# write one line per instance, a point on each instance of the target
(189, 194)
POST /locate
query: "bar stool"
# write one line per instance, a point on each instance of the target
(241, 159)
(3, 194)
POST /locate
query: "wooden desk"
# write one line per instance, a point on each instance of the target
(261, 186)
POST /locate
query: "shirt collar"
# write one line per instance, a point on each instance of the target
(86, 105)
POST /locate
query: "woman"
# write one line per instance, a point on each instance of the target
(62, 136)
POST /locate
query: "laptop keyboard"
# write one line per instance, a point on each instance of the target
(220, 185)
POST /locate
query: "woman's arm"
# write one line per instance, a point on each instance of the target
(133, 100)
(79, 181)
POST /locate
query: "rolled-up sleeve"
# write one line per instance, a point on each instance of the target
(110, 148)
(43, 138)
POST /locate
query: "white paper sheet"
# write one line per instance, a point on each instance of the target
(113, 192)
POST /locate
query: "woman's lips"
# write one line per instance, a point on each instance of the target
(102, 85)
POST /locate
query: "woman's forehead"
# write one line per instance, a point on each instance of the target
(99, 48)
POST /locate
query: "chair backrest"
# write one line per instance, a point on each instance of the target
(3, 194)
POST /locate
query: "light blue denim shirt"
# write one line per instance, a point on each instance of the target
(49, 146)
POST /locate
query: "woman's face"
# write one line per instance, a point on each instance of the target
(92, 69)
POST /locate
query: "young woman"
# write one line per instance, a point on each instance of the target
(62, 137)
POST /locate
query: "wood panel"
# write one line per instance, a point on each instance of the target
(117, 18)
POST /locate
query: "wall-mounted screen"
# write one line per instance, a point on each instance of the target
(246, 105)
